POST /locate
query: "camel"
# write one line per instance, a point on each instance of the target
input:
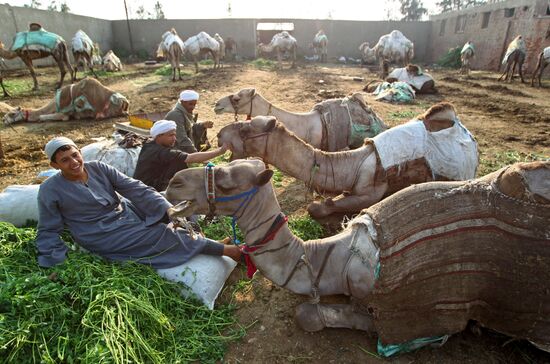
(320, 45)
(466, 55)
(543, 61)
(393, 48)
(515, 56)
(316, 127)
(83, 51)
(111, 62)
(201, 44)
(231, 48)
(280, 43)
(222, 46)
(368, 55)
(27, 51)
(85, 99)
(421, 82)
(394, 159)
(3, 68)
(172, 46)
(419, 264)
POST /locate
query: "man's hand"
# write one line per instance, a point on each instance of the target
(207, 124)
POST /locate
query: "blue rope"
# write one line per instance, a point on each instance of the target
(247, 197)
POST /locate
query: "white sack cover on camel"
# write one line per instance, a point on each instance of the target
(205, 275)
(451, 152)
(18, 204)
(167, 39)
(111, 62)
(517, 43)
(417, 81)
(546, 54)
(109, 152)
(283, 40)
(394, 43)
(82, 43)
(201, 41)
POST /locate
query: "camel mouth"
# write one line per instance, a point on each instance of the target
(179, 209)
(219, 109)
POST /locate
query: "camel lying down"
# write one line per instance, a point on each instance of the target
(434, 146)
(86, 99)
(475, 250)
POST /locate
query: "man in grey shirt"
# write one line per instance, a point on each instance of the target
(190, 134)
(86, 197)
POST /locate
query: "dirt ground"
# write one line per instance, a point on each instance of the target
(510, 122)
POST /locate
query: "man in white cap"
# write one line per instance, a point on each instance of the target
(190, 134)
(109, 214)
(158, 161)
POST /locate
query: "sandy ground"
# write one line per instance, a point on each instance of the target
(508, 120)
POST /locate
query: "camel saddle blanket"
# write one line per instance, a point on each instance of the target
(466, 47)
(35, 40)
(319, 38)
(451, 252)
(416, 81)
(168, 39)
(399, 92)
(201, 41)
(516, 44)
(347, 122)
(450, 153)
(82, 43)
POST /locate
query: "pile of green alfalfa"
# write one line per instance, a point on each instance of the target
(89, 310)
(451, 58)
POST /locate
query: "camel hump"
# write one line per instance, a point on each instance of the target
(439, 116)
(527, 181)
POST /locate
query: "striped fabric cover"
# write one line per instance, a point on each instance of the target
(457, 251)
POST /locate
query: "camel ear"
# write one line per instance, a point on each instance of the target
(270, 125)
(253, 92)
(263, 177)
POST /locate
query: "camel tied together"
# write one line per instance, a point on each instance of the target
(86, 99)
(467, 254)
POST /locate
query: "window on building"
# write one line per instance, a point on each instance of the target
(548, 10)
(460, 24)
(442, 27)
(509, 12)
(485, 21)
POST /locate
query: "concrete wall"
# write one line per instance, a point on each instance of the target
(344, 36)
(16, 19)
(529, 20)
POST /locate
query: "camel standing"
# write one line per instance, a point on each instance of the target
(3, 68)
(309, 126)
(27, 54)
(466, 55)
(320, 45)
(412, 153)
(368, 55)
(543, 61)
(515, 56)
(172, 46)
(280, 43)
(393, 48)
(83, 51)
(202, 44)
(420, 264)
(231, 48)
(222, 46)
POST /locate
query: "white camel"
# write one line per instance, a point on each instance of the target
(111, 62)
(222, 45)
(393, 48)
(418, 265)
(466, 55)
(202, 44)
(368, 55)
(280, 43)
(309, 126)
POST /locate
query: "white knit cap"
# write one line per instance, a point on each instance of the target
(189, 95)
(161, 127)
(53, 145)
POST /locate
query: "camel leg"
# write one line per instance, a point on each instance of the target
(315, 317)
(293, 57)
(173, 73)
(62, 71)
(541, 71)
(537, 69)
(279, 59)
(505, 73)
(346, 204)
(28, 63)
(91, 67)
(53, 117)
(6, 94)
(520, 71)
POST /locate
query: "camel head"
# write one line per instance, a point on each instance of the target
(526, 181)
(238, 103)
(247, 138)
(187, 189)
(363, 46)
(13, 116)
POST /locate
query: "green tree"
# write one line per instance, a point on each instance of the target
(34, 4)
(64, 8)
(159, 14)
(141, 13)
(450, 5)
(412, 10)
(52, 6)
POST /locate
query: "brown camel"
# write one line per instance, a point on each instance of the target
(514, 57)
(2, 72)
(543, 61)
(466, 55)
(171, 46)
(200, 45)
(391, 161)
(83, 50)
(60, 54)
(280, 43)
(419, 264)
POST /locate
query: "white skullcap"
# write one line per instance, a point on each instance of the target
(53, 145)
(161, 127)
(189, 95)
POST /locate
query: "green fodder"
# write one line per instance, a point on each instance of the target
(89, 310)
(305, 227)
(206, 62)
(451, 58)
(166, 70)
(490, 162)
(263, 63)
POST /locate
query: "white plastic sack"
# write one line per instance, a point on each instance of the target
(109, 152)
(416, 81)
(82, 43)
(205, 275)
(167, 39)
(450, 152)
(546, 54)
(18, 204)
(202, 40)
